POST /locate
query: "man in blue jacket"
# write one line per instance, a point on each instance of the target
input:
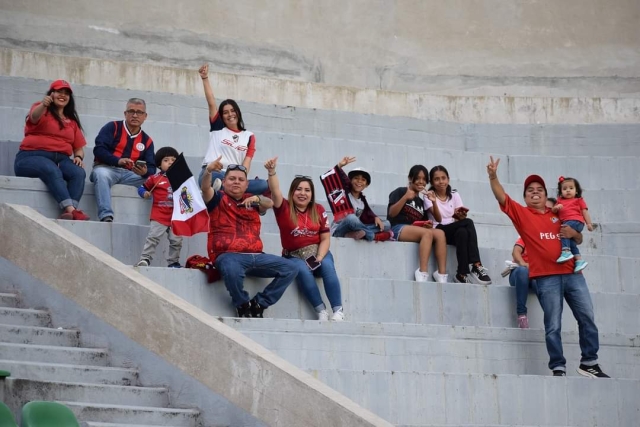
(123, 154)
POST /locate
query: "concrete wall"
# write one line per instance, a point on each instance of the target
(222, 359)
(401, 45)
(525, 106)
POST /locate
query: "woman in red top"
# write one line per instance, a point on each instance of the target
(52, 134)
(305, 237)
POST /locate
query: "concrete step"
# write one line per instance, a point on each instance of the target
(37, 335)
(606, 273)
(54, 354)
(494, 228)
(410, 398)
(385, 300)
(27, 390)
(24, 316)
(183, 118)
(9, 300)
(42, 371)
(136, 415)
(313, 345)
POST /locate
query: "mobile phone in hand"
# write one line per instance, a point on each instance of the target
(312, 262)
(422, 223)
(463, 209)
(140, 163)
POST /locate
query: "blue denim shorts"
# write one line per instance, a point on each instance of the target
(396, 230)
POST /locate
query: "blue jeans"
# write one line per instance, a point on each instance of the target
(519, 277)
(307, 283)
(570, 243)
(235, 266)
(352, 223)
(105, 177)
(572, 287)
(256, 186)
(63, 178)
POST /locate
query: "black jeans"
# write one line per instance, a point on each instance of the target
(462, 235)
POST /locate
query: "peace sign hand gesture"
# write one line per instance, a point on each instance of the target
(492, 168)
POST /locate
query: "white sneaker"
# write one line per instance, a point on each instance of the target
(440, 278)
(217, 184)
(142, 263)
(338, 316)
(323, 316)
(422, 276)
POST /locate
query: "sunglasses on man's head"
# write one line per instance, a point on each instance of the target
(304, 177)
(237, 167)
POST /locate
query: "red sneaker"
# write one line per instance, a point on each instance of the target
(66, 215)
(78, 215)
(382, 236)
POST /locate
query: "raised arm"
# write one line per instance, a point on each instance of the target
(205, 186)
(435, 209)
(274, 182)
(38, 110)
(496, 187)
(208, 92)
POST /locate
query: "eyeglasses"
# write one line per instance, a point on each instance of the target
(304, 177)
(237, 167)
(136, 112)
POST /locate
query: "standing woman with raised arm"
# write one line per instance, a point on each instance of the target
(52, 134)
(305, 238)
(229, 142)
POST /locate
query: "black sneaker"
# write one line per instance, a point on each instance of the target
(256, 309)
(592, 371)
(559, 373)
(174, 265)
(479, 275)
(461, 278)
(107, 219)
(244, 310)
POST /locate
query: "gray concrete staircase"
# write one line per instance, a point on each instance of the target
(49, 363)
(416, 354)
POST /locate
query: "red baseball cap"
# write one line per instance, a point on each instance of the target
(534, 178)
(60, 84)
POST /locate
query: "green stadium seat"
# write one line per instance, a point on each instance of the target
(47, 414)
(6, 417)
(4, 374)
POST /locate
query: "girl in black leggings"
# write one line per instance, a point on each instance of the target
(458, 229)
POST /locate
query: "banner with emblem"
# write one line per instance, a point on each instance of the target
(190, 214)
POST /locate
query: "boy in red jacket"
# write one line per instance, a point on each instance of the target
(158, 186)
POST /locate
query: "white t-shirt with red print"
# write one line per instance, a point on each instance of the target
(232, 146)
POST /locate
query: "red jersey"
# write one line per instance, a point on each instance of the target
(572, 209)
(162, 208)
(46, 135)
(305, 233)
(232, 228)
(540, 233)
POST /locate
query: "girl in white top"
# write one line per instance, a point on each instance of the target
(459, 230)
(229, 142)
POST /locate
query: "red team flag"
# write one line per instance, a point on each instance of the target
(190, 214)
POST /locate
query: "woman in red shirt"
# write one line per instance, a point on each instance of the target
(52, 134)
(305, 238)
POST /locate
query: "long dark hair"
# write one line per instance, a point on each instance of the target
(234, 104)
(563, 179)
(433, 171)
(69, 111)
(311, 207)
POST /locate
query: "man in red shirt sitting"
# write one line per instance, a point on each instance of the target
(234, 243)
(541, 231)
